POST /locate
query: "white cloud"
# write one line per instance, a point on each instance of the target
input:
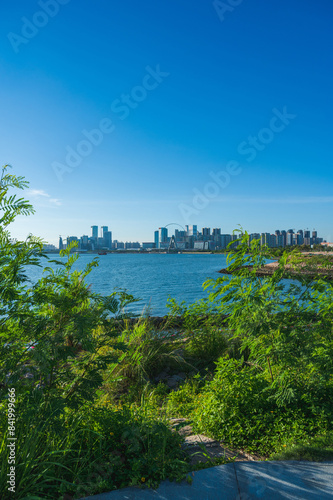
(55, 201)
(40, 194)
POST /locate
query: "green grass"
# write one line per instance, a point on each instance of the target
(317, 449)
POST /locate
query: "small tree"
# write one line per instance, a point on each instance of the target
(54, 334)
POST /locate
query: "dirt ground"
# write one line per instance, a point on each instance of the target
(201, 448)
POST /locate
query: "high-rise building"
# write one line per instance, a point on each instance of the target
(225, 240)
(205, 235)
(272, 241)
(179, 235)
(94, 232)
(265, 239)
(107, 237)
(192, 230)
(307, 239)
(156, 239)
(280, 241)
(70, 239)
(299, 237)
(163, 234)
(254, 236)
(284, 238)
(84, 241)
(216, 237)
(61, 244)
(290, 238)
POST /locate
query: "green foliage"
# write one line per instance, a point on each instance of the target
(145, 354)
(67, 358)
(90, 418)
(283, 387)
(98, 449)
(183, 402)
(239, 407)
(316, 449)
(59, 343)
(203, 328)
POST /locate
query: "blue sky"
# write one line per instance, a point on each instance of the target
(178, 90)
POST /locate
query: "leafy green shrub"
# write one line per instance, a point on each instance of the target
(94, 450)
(182, 402)
(238, 406)
(205, 345)
(316, 449)
(203, 328)
(282, 388)
(146, 354)
(64, 439)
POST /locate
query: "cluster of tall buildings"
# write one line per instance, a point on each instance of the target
(98, 241)
(207, 239)
(102, 241)
(187, 238)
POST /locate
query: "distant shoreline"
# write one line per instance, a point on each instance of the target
(314, 271)
(137, 252)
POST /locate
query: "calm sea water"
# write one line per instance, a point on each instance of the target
(151, 278)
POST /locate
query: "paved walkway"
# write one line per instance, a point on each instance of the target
(290, 480)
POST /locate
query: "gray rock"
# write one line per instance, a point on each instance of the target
(172, 382)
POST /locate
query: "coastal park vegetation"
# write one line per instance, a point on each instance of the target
(95, 388)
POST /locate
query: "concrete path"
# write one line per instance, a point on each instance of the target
(290, 480)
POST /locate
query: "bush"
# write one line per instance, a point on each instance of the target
(239, 407)
(57, 345)
(94, 450)
(181, 403)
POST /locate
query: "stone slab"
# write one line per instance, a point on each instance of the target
(274, 480)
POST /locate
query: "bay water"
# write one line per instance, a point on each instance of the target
(152, 278)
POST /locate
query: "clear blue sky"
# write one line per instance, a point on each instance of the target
(198, 85)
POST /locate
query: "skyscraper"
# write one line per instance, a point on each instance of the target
(307, 239)
(156, 239)
(84, 241)
(192, 230)
(107, 237)
(94, 232)
(163, 234)
(300, 237)
(290, 238)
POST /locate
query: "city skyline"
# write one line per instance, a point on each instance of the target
(188, 237)
(168, 111)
